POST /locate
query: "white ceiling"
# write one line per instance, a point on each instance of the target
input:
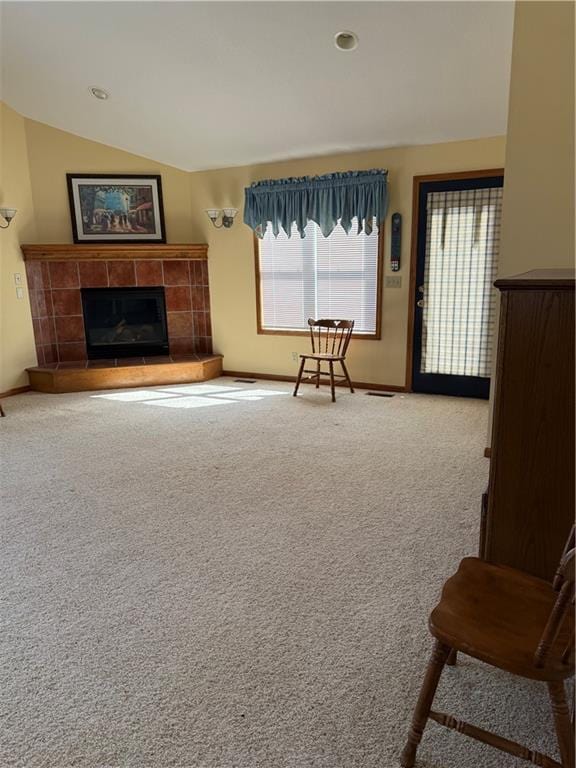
(212, 84)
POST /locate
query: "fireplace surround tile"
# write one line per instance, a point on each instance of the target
(208, 323)
(69, 328)
(66, 301)
(178, 298)
(55, 301)
(93, 274)
(199, 327)
(71, 364)
(47, 331)
(121, 274)
(133, 361)
(50, 352)
(197, 268)
(183, 346)
(64, 274)
(176, 273)
(179, 324)
(35, 303)
(108, 363)
(71, 351)
(197, 293)
(149, 273)
(47, 303)
(37, 328)
(34, 276)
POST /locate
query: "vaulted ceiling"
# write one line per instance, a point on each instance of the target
(212, 84)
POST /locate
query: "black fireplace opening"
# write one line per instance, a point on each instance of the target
(125, 322)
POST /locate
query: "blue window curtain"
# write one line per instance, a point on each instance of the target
(326, 200)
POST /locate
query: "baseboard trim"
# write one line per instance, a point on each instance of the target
(15, 391)
(341, 383)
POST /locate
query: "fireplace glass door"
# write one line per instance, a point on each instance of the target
(125, 322)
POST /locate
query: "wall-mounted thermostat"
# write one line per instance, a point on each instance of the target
(396, 242)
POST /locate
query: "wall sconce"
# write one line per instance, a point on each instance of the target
(7, 214)
(227, 214)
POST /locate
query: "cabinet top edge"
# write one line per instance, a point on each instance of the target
(539, 278)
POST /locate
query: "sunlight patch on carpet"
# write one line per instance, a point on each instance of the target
(191, 396)
(135, 396)
(189, 402)
(250, 394)
(198, 389)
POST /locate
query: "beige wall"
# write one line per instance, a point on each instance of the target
(17, 349)
(538, 207)
(54, 153)
(231, 255)
(538, 212)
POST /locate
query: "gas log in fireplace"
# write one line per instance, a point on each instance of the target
(124, 322)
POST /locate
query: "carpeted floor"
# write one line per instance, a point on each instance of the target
(204, 579)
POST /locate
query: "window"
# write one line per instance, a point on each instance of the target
(316, 276)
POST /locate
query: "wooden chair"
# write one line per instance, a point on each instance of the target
(513, 621)
(330, 339)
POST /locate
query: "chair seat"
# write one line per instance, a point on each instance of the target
(497, 614)
(321, 356)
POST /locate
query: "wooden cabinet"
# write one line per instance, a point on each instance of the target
(530, 505)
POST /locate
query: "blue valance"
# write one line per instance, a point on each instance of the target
(327, 200)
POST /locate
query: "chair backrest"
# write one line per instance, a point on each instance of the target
(330, 337)
(564, 585)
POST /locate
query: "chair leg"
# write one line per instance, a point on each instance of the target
(332, 387)
(424, 704)
(318, 374)
(343, 364)
(2, 412)
(452, 657)
(299, 377)
(564, 730)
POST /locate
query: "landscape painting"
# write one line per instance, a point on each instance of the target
(116, 208)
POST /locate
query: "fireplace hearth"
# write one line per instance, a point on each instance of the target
(125, 322)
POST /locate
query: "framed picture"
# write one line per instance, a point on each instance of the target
(116, 208)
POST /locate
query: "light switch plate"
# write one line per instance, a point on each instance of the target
(19, 293)
(17, 278)
(393, 281)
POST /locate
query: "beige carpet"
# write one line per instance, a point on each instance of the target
(218, 580)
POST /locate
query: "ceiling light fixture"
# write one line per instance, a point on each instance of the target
(100, 93)
(346, 41)
(227, 214)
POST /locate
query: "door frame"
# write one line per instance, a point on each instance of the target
(418, 180)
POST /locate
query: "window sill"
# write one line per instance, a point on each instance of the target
(286, 332)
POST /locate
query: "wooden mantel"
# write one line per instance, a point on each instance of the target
(108, 252)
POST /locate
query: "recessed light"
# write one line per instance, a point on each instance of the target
(100, 93)
(346, 41)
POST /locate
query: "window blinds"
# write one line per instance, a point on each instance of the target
(319, 277)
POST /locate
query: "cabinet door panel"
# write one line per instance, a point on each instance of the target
(531, 492)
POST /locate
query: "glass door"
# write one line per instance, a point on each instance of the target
(457, 260)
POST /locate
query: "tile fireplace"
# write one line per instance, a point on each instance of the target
(62, 277)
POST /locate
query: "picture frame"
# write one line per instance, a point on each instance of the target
(116, 208)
